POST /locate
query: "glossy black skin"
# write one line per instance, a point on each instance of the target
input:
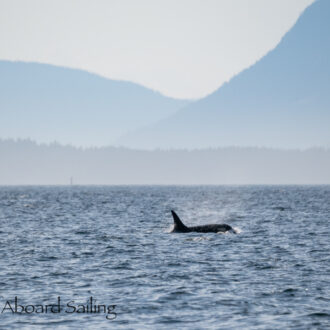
(179, 227)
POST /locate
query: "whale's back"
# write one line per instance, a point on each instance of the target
(179, 227)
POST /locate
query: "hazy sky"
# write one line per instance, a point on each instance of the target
(182, 48)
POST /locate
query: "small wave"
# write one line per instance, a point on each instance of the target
(319, 314)
(279, 208)
(28, 205)
(82, 232)
(223, 232)
(169, 229)
(237, 230)
(200, 238)
(34, 323)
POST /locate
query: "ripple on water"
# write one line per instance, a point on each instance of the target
(113, 243)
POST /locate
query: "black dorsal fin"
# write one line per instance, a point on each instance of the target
(178, 225)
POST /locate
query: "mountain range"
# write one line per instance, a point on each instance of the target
(282, 101)
(49, 103)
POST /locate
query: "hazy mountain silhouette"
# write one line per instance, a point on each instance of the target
(48, 103)
(281, 101)
(25, 162)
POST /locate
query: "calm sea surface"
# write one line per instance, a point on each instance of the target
(113, 244)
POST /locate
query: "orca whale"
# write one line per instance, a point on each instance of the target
(179, 227)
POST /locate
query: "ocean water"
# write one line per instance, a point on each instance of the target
(67, 245)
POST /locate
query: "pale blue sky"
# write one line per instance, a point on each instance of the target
(182, 48)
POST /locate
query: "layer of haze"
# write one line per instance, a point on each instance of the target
(184, 49)
(24, 163)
